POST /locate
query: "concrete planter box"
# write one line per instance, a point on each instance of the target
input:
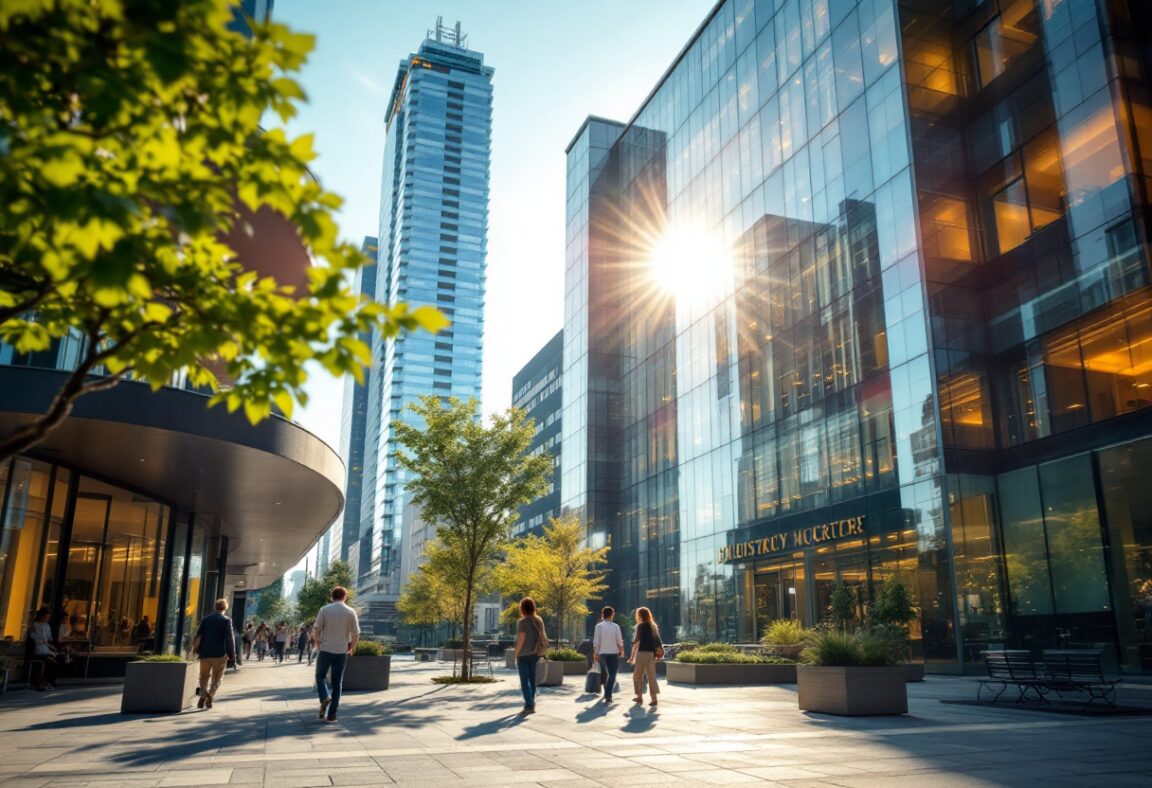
(510, 658)
(549, 673)
(367, 673)
(574, 668)
(690, 673)
(914, 671)
(451, 654)
(159, 687)
(788, 652)
(852, 692)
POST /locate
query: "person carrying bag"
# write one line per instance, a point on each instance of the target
(531, 645)
(646, 649)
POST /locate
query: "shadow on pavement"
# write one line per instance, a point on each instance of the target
(594, 712)
(491, 727)
(640, 721)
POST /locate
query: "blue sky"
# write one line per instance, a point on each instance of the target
(556, 62)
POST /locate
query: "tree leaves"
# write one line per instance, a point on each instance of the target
(131, 146)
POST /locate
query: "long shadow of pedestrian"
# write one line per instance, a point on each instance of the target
(593, 712)
(91, 720)
(640, 721)
(489, 728)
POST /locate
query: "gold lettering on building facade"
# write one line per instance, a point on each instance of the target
(792, 540)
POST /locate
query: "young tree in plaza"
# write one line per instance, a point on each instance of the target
(469, 479)
(131, 152)
(435, 593)
(316, 591)
(557, 570)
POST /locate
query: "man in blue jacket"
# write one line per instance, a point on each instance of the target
(215, 644)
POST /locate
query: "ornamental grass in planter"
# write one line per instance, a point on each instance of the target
(785, 638)
(851, 674)
(721, 663)
(159, 683)
(369, 668)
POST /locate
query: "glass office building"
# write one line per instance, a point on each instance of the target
(536, 389)
(433, 242)
(862, 290)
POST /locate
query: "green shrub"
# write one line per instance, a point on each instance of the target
(370, 648)
(452, 644)
(161, 658)
(784, 632)
(840, 649)
(565, 655)
(725, 654)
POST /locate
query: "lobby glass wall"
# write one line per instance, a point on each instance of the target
(121, 587)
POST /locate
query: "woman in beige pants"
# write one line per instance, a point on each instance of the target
(646, 649)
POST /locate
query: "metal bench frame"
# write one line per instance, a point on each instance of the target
(1013, 668)
(1079, 670)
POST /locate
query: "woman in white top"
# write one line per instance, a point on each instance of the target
(42, 649)
(608, 646)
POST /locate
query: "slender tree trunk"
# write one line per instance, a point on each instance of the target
(466, 671)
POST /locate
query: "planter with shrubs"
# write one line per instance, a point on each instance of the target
(369, 667)
(573, 662)
(720, 663)
(891, 614)
(851, 674)
(159, 683)
(784, 637)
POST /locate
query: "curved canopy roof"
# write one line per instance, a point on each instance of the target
(274, 487)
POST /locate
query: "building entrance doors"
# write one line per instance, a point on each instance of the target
(781, 592)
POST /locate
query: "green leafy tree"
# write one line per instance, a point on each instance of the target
(842, 606)
(131, 151)
(557, 570)
(272, 606)
(317, 591)
(435, 593)
(469, 479)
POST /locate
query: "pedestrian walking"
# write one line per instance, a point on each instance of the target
(215, 645)
(261, 641)
(301, 643)
(608, 646)
(281, 642)
(337, 629)
(531, 644)
(311, 645)
(646, 649)
(238, 642)
(249, 630)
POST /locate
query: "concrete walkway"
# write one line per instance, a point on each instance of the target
(263, 731)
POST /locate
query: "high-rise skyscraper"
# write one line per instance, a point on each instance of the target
(433, 242)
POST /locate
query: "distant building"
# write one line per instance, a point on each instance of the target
(536, 388)
(433, 243)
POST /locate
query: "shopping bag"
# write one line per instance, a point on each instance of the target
(592, 680)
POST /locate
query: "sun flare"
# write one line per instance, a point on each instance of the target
(691, 264)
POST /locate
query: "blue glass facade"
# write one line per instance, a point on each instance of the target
(536, 388)
(433, 242)
(922, 351)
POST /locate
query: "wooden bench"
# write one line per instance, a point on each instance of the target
(1013, 668)
(1079, 670)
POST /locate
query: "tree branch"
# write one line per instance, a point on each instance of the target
(19, 308)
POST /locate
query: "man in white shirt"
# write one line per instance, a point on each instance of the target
(336, 631)
(608, 646)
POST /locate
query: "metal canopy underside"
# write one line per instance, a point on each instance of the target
(274, 487)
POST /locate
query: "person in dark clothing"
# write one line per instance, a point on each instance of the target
(301, 643)
(216, 645)
(646, 649)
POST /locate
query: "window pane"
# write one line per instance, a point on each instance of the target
(1075, 549)
(1025, 553)
(1010, 208)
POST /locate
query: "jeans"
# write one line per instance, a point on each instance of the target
(526, 667)
(326, 661)
(609, 665)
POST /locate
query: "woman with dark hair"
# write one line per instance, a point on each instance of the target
(531, 644)
(646, 649)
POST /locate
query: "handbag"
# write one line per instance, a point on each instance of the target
(592, 679)
(541, 638)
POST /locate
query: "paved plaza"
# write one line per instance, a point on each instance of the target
(263, 731)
